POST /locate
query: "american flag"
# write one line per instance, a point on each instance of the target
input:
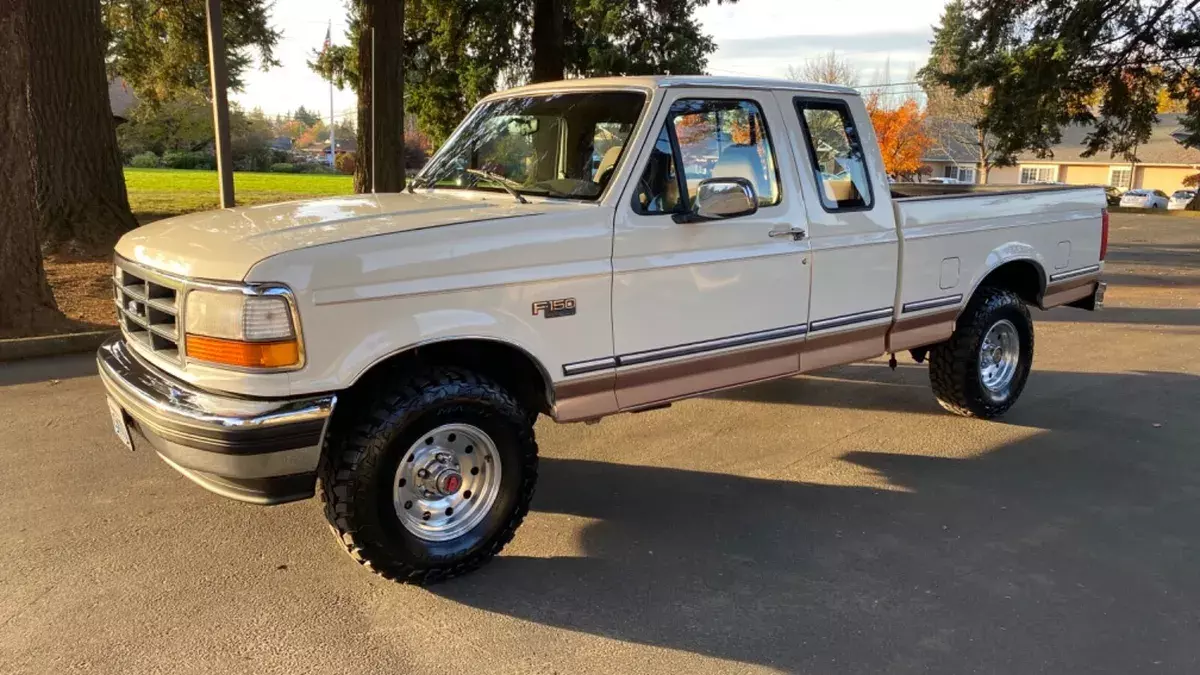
(328, 42)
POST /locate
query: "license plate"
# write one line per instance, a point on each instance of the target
(118, 423)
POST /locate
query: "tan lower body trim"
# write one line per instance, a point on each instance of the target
(647, 385)
(1069, 290)
(922, 331)
(632, 388)
(823, 350)
(584, 398)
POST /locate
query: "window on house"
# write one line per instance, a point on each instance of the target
(1038, 174)
(1120, 178)
(962, 174)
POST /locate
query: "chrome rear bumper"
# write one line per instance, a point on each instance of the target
(263, 451)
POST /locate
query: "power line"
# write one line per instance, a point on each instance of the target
(886, 84)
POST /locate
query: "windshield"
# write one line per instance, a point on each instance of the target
(557, 145)
(1184, 193)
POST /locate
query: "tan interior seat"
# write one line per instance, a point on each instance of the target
(742, 161)
(840, 190)
(607, 162)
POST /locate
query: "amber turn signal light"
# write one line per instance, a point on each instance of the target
(245, 354)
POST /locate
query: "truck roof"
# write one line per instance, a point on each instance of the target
(661, 81)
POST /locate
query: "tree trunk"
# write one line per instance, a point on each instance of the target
(985, 165)
(81, 197)
(25, 298)
(547, 41)
(385, 93)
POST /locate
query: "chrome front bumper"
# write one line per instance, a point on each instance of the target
(263, 451)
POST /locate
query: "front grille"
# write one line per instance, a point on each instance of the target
(148, 310)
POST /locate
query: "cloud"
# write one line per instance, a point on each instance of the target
(797, 46)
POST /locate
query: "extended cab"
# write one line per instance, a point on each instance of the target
(575, 249)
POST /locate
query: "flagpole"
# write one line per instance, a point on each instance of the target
(332, 119)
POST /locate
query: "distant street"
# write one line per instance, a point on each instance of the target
(839, 522)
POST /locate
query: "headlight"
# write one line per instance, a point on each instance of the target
(238, 329)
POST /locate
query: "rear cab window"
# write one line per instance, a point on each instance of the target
(835, 151)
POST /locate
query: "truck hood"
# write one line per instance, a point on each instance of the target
(225, 244)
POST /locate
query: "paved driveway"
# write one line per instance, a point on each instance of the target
(839, 522)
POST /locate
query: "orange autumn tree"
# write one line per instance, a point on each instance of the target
(901, 135)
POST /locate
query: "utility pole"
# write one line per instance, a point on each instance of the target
(332, 118)
(218, 75)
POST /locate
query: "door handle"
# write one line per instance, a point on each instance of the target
(796, 233)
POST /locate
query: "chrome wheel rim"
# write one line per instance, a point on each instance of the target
(446, 482)
(999, 355)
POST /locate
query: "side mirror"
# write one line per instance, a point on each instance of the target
(719, 198)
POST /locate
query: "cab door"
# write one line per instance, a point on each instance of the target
(855, 247)
(698, 306)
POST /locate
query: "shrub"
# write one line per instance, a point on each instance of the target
(145, 160)
(176, 159)
(314, 167)
(345, 162)
(283, 167)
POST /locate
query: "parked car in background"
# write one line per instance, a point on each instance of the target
(1144, 199)
(1180, 199)
(1113, 194)
(944, 181)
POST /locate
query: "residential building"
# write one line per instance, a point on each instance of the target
(1162, 162)
(120, 99)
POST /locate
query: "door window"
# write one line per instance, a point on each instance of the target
(708, 138)
(839, 164)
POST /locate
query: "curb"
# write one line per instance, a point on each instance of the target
(52, 345)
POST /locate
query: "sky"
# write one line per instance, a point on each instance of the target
(758, 38)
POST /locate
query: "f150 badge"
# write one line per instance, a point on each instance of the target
(554, 308)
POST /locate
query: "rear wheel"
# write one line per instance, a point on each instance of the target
(430, 476)
(981, 370)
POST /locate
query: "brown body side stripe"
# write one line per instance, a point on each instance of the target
(646, 385)
(1069, 290)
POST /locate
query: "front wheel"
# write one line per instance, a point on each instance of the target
(981, 370)
(429, 475)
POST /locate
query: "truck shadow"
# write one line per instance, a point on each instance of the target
(1055, 400)
(1161, 316)
(1072, 549)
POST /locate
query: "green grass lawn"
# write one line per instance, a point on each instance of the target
(159, 193)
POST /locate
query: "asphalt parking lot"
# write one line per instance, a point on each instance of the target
(839, 522)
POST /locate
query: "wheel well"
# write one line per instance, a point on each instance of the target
(510, 366)
(1023, 277)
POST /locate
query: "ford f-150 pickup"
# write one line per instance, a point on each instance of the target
(575, 249)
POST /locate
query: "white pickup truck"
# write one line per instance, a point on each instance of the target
(576, 249)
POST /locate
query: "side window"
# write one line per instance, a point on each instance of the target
(658, 189)
(708, 138)
(839, 164)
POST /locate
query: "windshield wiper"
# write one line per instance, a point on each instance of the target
(412, 183)
(498, 180)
